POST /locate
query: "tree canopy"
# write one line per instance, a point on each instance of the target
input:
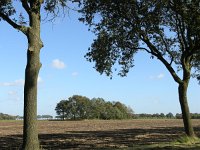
(168, 30)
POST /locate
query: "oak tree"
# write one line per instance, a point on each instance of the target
(169, 30)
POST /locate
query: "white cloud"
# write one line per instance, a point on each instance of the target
(19, 82)
(75, 74)
(58, 64)
(159, 76)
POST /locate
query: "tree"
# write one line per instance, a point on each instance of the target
(170, 115)
(97, 108)
(166, 29)
(178, 116)
(75, 107)
(30, 27)
(7, 117)
(126, 112)
(79, 106)
(162, 115)
(62, 109)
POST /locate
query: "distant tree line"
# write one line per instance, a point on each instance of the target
(154, 116)
(80, 107)
(44, 117)
(193, 116)
(39, 117)
(6, 117)
(163, 116)
(106, 111)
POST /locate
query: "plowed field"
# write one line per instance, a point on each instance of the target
(96, 134)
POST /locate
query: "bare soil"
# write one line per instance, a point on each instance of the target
(96, 134)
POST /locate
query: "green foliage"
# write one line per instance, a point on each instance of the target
(6, 7)
(62, 108)
(167, 30)
(6, 117)
(195, 116)
(52, 5)
(170, 115)
(97, 108)
(192, 115)
(178, 116)
(163, 116)
(154, 116)
(81, 107)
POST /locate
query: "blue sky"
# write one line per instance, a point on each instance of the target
(148, 88)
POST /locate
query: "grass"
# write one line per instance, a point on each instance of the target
(165, 146)
(183, 142)
(187, 140)
(11, 120)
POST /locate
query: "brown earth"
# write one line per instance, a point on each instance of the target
(96, 134)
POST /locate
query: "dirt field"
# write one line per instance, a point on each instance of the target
(94, 134)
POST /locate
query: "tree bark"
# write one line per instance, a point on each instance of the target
(182, 90)
(30, 139)
(30, 133)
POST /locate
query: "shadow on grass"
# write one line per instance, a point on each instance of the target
(158, 138)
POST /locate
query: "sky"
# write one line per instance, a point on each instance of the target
(148, 87)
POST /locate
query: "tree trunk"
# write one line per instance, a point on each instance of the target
(30, 140)
(63, 118)
(182, 89)
(30, 133)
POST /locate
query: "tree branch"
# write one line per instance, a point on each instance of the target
(167, 48)
(36, 2)
(142, 48)
(13, 24)
(154, 51)
(25, 6)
